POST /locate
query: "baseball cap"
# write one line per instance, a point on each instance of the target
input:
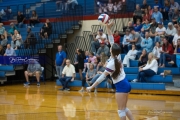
(101, 30)
(160, 23)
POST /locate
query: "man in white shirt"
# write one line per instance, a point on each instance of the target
(174, 5)
(97, 40)
(176, 37)
(68, 75)
(160, 30)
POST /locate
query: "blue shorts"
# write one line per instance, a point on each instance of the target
(123, 86)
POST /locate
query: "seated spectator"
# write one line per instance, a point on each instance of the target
(20, 19)
(176, 51)
(137, 14)
(91, 59)
(170, 32)
(157, 51)
(173, 6)
(103, 49)
(103, 58)
(33, 69)
(1, 50)
(110, 6)
(166, 53)
(136, 39)
(46, 30)
(9, 51)
(158, 5)
(80, 58)
(153, 27)
(2, 30)
(130, 26)
(176, 37)
(30, 39)
(147, 43)
(104, 8)
(72, 3)
(16, 40)
(96, 43)
(146, 16)
(166, 10)
(91, 72)
(34, 19)
(11, 30)
(95, 63)
(68, 74)
(3, 41)
(144, 6)
(138, 26)
(131, 55)
(58, 5)
(145, 28)
(157, 15)
(175, 16)
(116, 37)
(119, 6)
(149, 70)
(115, 9)
(160, 30)
(150, 10)
(143, 58)
(125, 44)
(8, 12)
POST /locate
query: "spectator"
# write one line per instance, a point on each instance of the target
(30, 39)
(11, 30)
(176, 37)
(170, 32)
(137, 14)
(157, 51)
(158, 5)
(136, 39)
(3, 41)
(166, 9)
(104, 8)
(115, 8)
(8, 12)
(138, 26)
(145, 28)
(173, 6)
(176, 51)
(131, 55)
(58, 5)
(153, 27)
(166, 53)
(143, 58)
(146, 16)
(86, 60)
(116, 37)
(76, 61)
(157, 15)
(1, 50)
(81, 57)
(92, 59)
(34, 69)
(60, 61)
(96, 43)
(147, 43)
(144, 6)
(68, 74)
(72, 3)
(102, 49)
(16, 40)
(130, 26)
(9, 51)
(110, 6)
(46, 30)
(149, 70)
(34, 19)
(119, 6)
(89, 75)
(2, 30)
(150, 10)
(175, 16)
(160, 30)
(125, 44)
(20, 19)
(103, 58)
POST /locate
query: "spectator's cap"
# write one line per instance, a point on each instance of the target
(100, 30)
(170, 23)
(127, 30)
(160, 23)
(12, 23)
(102, 42)
(1, 24)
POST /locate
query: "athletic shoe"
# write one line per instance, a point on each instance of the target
(67, 89)
(26, 83)
(38, 84)
(135, 80)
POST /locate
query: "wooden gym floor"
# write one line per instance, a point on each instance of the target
(48, 103)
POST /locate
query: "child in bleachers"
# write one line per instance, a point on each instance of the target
(170, 32)
(110, 6)
(145, 28)
(138, 26)
(143, 58)
(157, 50)
(176, 51)
(125, 44)
(16, 40)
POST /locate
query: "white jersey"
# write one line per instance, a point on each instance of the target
(110, 68)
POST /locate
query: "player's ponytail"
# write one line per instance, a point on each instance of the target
(116, 50)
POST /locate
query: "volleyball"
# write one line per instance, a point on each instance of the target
(103, 19)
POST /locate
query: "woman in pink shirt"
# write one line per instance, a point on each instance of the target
(91, 59)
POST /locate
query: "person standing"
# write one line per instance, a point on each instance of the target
(80, 58)
(60, 61)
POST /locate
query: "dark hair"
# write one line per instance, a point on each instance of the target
(116, 50)
(34, 13)
(177, 44)
(91, 53)
(165, 45)
(82, 53)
